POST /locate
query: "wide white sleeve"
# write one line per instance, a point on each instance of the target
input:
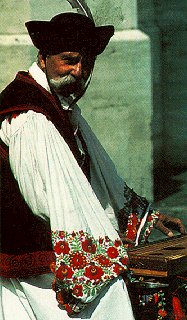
(52, 183)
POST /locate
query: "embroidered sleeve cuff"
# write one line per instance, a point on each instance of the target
(84, 266)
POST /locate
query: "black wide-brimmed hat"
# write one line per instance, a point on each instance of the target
(69, 32)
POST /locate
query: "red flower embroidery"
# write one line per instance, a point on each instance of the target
(93, 272)
(117, 243)
(62, 247)
(77, 260)
(156, 297)
(77, 291)
(104, 261)
(88, 246)
(100, 240)
(162, 313)
(60, 298)
(132, 227)
(64, 272)
(118, 269)
(124, 260)
(53, 267)
(112, 252)
(150, 218)
(61, 234)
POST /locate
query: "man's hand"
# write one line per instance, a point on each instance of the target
(166, 224)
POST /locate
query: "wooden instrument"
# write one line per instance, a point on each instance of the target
(164, 258)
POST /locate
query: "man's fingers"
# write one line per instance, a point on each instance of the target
(181, 227)
(166, 223)
(127, 241)
(160, 226)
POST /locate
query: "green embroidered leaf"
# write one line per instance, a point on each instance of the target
(107, 271)
(66, 259)
(79, 273)
(100, 250)
(93, 291)
(75, 246)
(86, 290)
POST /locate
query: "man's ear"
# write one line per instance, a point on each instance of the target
(41, 61)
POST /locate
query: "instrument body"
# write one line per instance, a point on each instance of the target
(160, 259)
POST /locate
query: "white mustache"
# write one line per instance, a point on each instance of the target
(65, 80)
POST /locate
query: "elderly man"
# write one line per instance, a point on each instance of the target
(65, 211)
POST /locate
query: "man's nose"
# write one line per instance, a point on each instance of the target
(77, 70)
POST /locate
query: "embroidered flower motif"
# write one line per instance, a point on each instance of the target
(53, 267)
(132, 226)
(77, 260)
(107, 239)
(162, 313)
(59, 297)
(101, 240)
(118, 269)
(93, 272)
(88, 246)
(104, 261)
(117, 243)
(124, 261)
(112, 252)
(77, 290)
(62, 247)
(146, 230)
(61, 234)
(64, 272)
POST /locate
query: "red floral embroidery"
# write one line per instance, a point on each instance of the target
(93, 272)
(24, 265)
(112, 252)
(100, 240)
(107, 239)
(124, 261)
(61, 234)
(104, 261)
(162, 313)
(77, 260)
(60, 298)
(64, 272)
(62, 247)
(132, 227)
(156, 298)
(53, 266)
(117, 243)
(77, 290)
(89, 265)
(88, 246)
(118, 269)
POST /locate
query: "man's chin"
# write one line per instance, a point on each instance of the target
(66, 92)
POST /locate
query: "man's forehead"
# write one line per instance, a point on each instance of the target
(70, 54)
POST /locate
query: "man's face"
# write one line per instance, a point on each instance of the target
(67, 72)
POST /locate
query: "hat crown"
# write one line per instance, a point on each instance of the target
(74, 19)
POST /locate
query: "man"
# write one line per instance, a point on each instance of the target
(59, 184)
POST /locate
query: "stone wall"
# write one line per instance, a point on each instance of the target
(166, 24)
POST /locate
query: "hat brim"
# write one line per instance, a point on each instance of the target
(53, 38)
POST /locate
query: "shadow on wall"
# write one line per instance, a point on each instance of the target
(166, 24)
